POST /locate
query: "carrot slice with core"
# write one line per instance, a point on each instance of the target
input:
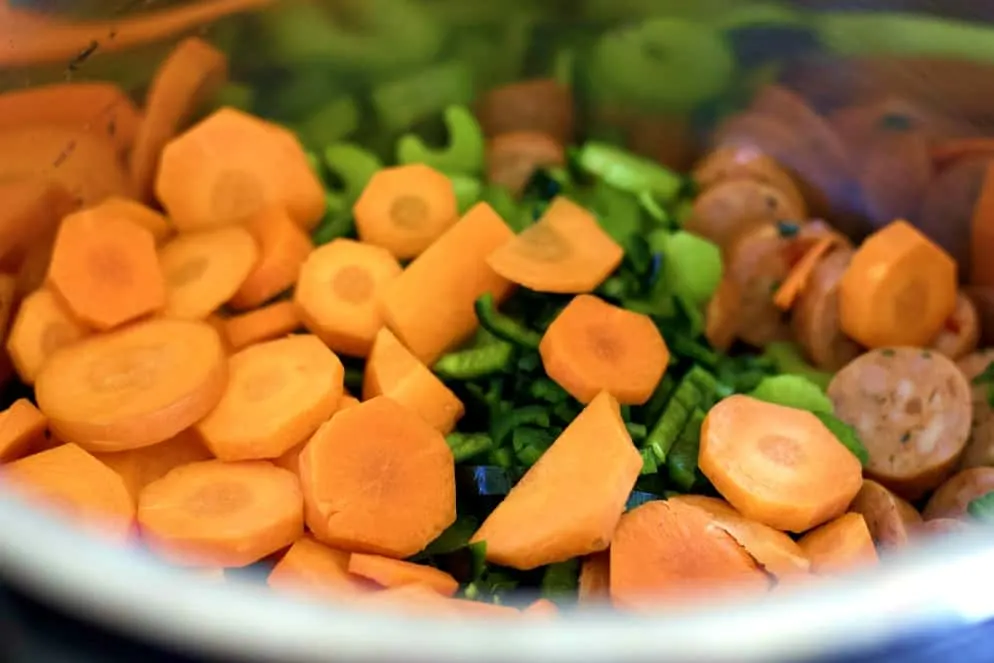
(42, 325)
(839, 546)
(219, 514)
(140, 467)
(389, 572)
(133, 387)
(283, 248)
(290, 460)
(264, 324)
(22, 427)
(313, 568)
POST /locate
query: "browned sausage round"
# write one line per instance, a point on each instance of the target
(542, 105)
(983, 300)
(894, 171)
(721, 326)
(815, 319)
(947, 209)
(954, 496)
(733, 207)
(980, 447)
(961, 333)
(512, 158)
(912, 409)
(859, 124)
(890, 519)
(746, 162)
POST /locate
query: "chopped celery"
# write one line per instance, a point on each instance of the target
(464, 152)
(503, 327)
(627, 171)
(793, 391)
(402, 102)
(468, 190)
(681, 464)
(468, 445)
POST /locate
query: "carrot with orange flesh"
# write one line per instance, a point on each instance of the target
(595, 578)
(541, 608)
(139, 214)
(403, 209)
(585, 476)
(423, 600)
(565, 251)
(841, 545)
(133, 387)
(377, 478)
(671, 551)
(777, 465)
(140, 467)
(283, 248)
(30, 211)
(218, 514)
(797, 279)
(391, 370)
(948, 152)
(899, 289)
(593, 346)
(388, 572)
(231, 167)
(43, 324)
(204, 269)
(77, 486)
(512, 158)
(430, 306)
(8, 300)
(263, 324)
(106, 270)
(291, 459)
(982, 234)
(188, 77)
(22, 426)
(314, 568)
(33, 272)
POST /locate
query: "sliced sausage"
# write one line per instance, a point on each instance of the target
(947, 209)
(954, 496)
(961, 332)
(512, 158)
(859, 124)
(894, 171)
(746, 162)
(721, 320)
(912, 409)
(980, 447)
(543, 105)
(891, 520)
(983, 300)
(815, 320)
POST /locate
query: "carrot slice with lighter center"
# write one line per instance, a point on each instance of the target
(219, 514)
(42, 325)
(389, 572)
(777, 465)
(839, 546)
(565, 251)
(22, 427)
(264, 324)
(290, 460)
(283, 248)
(204, 269)
(584, 478)
(140, 467)
(133, 387)
(278, 393)
(139, 214)
(313, 568)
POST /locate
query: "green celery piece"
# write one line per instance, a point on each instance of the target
(561, 579)
(464, 152)
(629, 172)
(331, 122)
(455, 537)
(503, 327)
(788, 358)
(681, 465)
(468, 190)
(846, 434)
(692, 265)
(401, 103)
(502, 202)
(468, 445)
(353, 166)
(476, 362)
(793, 391)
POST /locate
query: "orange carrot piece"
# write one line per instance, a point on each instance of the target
(77, 486)
(8, 294)
(899, 289)
(777, 465)
(585, 477)
(430, 305)
(839, 546)
(338, 293)
(378, 479)
(106, 270)
(797, 279)
(278, 393)
(133, 387)
(950, 151)
(313, 568)
(191, 75)
(566, 251)
(263, 324)
(391, 370)
(93, 106)
(541, 608)
(513, 157)
(593, 346)
(283, 248)
(34, 267)
(231, 167)
(388, 572)
(218, 514)
(291, 459)
(139, 214)
(140, 467)
(405, 208)
(22, 426)
(42, 325)
(671, 551)
(30, 211)
(595, 578)
(982, 234)
(203, 270)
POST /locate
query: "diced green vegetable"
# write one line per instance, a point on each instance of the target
(627, 171)
(846, 434)
(530, 443)
(351, 166)
(502, 326)
(456, 536)
(561, 579)
(793, 391)
(530, 415)
(464, 152)
(401, 103)
(649, 464)
(692, 267)
(334, 120)
(468, 445)
(788, 358)
(682, 461)
(476, 362)
(468, 190)
(982, 508)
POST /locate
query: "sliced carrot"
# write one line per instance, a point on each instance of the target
(982, 234)
(512, 158)
(593, 346)
(190, 76)
(595, 578)
(139, 214)
(377, 478)
(950, 151)
(106, 270)
(585, 478)
(30, 211)
(93, 106)
(671, 551)
(541, 608)
(899, 289)
(423, 600)
(339, 290)
(777, 465)
(140, 467)
(22, 426)
(389, 572)
(291, 459)
(77, 486)
(204, 269)
(797, 279)
(772, 549)
(278, 393)
(391, 370)
(232, 166)
(283, 248)
(839, 546)
(42, 325)
(565, 251)
(313, 568)
(405, 208)
(219, 514)
(8, 294)
(263, 324)
(34, 267)
(133, 387)
(430, 305)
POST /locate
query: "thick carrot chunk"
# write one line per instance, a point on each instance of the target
(43, 324)
(263, 324)
(389, 572)
(839, 546)
(140, 467)
(283, 248)
(22, 427)
(313, 568)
